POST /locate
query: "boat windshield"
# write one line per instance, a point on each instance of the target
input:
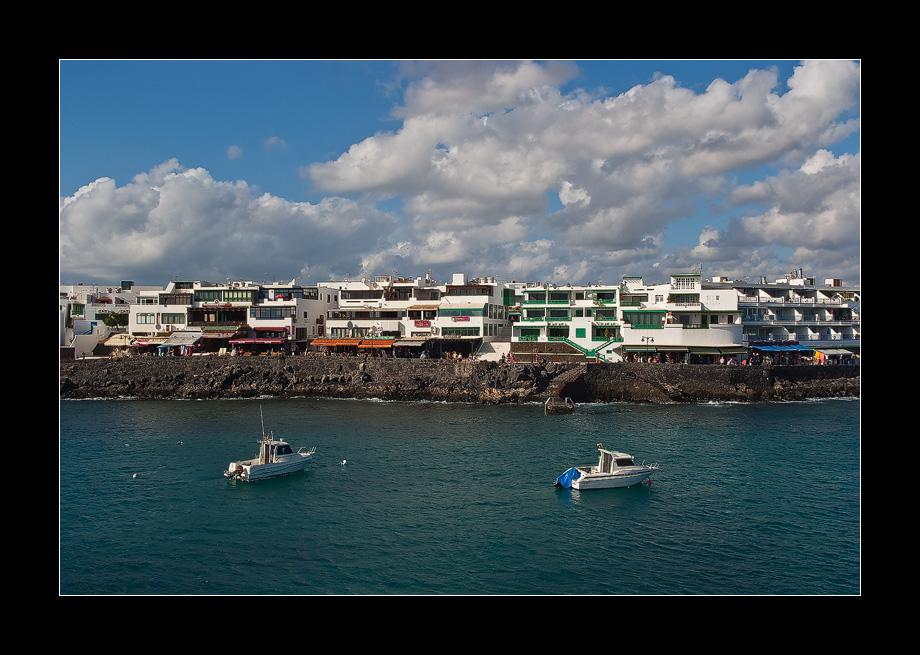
(625, 461)
(284, 449)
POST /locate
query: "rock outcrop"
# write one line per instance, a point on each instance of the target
(442, 380)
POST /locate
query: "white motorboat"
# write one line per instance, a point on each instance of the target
(275, 457)
(613, 470)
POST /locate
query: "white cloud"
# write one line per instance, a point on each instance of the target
(275, 142)
(483, 148)
(185, 222)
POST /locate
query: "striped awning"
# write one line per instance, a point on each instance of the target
(335, 342)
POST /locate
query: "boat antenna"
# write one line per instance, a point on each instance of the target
(262, 418)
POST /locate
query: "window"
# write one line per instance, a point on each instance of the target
(460, 312)
(460, 332)
(174, 319)
(175, 299)
(645, 319)
(146, 319)
(580, 334)
(684, 282)
(239, 295)
(271, 312)
(207, 295)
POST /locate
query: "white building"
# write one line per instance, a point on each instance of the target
(471, 313)
(794, 315)
(406, 316)
(667, 322)
(199, 316)
(84, 309)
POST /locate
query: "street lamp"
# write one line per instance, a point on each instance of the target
(647, 341)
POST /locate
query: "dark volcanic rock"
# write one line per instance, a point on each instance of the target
(455, 381)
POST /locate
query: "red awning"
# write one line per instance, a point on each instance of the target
(375, 343)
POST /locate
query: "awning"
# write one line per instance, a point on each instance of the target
(784, 348)
(376, 343)
(700, 350)
(655, 349)
(267, 341)
(733, 350)
(335, 342)
(834, 351)
(183, 339)
(143, 343)
(417, 343)
(119, 340)
(223, 334)
(423, 308)
(460, 306)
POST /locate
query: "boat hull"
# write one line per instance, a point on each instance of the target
(252, 472)
(611, 481)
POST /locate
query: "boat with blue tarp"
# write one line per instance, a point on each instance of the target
(614, 470)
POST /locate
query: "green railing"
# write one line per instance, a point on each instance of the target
(584, 351)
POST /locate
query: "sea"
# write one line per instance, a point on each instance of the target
(438, 499)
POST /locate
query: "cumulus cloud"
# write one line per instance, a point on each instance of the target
(174, 220)
(478, 144)
(498, 171)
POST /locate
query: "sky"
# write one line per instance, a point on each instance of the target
(548, 171)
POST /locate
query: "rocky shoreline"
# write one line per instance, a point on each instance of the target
(450, 381)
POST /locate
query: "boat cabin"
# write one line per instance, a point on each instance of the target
(271, 450)
(610, 461)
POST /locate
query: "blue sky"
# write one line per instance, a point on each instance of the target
(560, 171)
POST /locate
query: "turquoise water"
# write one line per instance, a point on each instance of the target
(458, 499)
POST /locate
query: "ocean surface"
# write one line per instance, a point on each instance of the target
(458, 499)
